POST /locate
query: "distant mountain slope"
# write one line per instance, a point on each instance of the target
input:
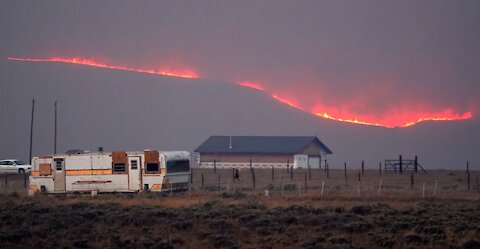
(131, 111)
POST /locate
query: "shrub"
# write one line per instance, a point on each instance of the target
(417, 239)
(357, 227)
(384, 240)
(221, 241)
(182, 225)
(362, 210)
(471, 244)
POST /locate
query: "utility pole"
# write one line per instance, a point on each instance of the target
(55, 136)
(31, 131)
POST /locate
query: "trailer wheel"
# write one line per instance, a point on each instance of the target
(21, 171)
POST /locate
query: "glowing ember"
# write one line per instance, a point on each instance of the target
(87, 62)
(251, 85)
(395, 119)
(287, 101)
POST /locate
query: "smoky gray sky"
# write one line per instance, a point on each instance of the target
(381, 60)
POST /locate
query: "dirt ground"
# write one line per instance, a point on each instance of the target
(233, 214)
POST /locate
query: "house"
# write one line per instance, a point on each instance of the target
(262, 151)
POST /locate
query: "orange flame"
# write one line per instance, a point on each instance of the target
(92, 63)
(287, 102)
(401, 121)
(251, 85)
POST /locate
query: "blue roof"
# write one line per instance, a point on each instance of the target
(259, 144)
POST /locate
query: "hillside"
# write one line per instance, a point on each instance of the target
(131, 111)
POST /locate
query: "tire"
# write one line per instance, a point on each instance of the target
(21, 171)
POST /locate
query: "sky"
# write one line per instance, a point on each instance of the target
(380, 62)
(385, 62)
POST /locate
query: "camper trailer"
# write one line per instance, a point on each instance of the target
(117, 171)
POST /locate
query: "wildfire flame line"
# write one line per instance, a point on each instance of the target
(87, 62)
(192, 75)
(464, 116)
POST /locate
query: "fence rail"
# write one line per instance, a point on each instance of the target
(314, 182)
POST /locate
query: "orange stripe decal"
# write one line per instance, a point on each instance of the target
(89, 172)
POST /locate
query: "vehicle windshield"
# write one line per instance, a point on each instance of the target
(18, 162)
(178, 166)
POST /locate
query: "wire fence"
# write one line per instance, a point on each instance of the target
(14, 182)
(316, 182)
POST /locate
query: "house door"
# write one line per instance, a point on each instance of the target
(134, 173)
(314, 162)
(59, 175)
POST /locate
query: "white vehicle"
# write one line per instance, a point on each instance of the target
(14, 166)
(117, 171)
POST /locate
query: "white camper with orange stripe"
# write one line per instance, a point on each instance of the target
(117, 171)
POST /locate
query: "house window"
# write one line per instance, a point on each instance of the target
(152, 168)
(119, 168)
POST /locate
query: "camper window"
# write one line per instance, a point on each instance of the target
(178, 166)
(58, 164)
(152, 168)
(119, 168)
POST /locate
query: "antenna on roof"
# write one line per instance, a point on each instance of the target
(230, 144)
(31, 130)
(55, 131)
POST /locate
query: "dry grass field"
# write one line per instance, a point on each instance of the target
(438, 183)
(238, 216)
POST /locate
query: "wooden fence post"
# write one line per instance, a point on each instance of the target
(468, 180)
(309, 172)
(323, 187)
(358, 189)
(400, 164)
(415, 164)
(359, 177)
(379, 187)
(423, 190)
(233, 174)
(412, 180)
(468, 164)
(363, 167)
(328, 170)
(253, 178)
(305, 180)
(283, 183)
(379, 168)
(273, 173)
(291, 173)
(219, 187)
(214, 166)
(299, 193)
(203, 181)
(346, 177)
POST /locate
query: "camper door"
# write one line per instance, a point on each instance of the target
(59, 176)
(134, 173)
